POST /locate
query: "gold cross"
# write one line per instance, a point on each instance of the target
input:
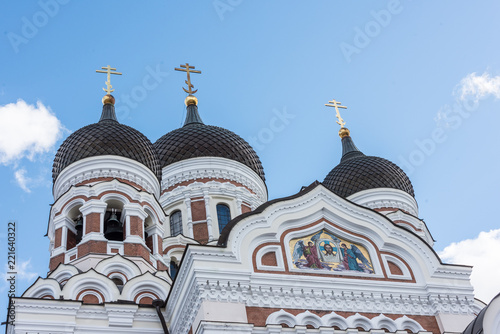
(108, 69)
(188, 69)
(337, 105)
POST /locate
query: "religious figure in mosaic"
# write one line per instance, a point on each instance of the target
(325, 251)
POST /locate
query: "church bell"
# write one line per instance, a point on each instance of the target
(79, 228)
(114, 228)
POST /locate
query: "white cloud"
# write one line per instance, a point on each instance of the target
(482, 253)
(22, 180)
(27, 130)
(478, 87)
(23, 273)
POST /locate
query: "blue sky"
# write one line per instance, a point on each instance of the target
(420, 79)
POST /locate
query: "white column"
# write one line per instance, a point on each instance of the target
(64, 237)
(135, 210)
(60, 223)
(187, 202)
(239, 202)
(209, 216)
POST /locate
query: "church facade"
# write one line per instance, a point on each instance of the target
(178, 236)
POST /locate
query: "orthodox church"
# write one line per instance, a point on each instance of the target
(179, 236)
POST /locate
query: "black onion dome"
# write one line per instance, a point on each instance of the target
(196, 139)
(357, 172)
(107, 137)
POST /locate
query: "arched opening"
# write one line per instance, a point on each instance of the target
(175, 223)
(113, 222)
(174, 267)
(223, 215)
(117, 280)
(73, 239)
(148, 222)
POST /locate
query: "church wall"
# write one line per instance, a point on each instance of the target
(200, 232)
(198, 209)
(136, 226)
(131, 249)
(219, 311)
(453, 323)
(92, 222)
(70, 240)
(57, 239)
(92, 246)
(245, 207)
(54, 261)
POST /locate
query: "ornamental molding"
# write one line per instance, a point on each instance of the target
(313, 299)
(93, 280)
(209, 327)
(213, 168)
(85, 318)
(385, 198)
(104, 166)
(419, 226)
(354, 321)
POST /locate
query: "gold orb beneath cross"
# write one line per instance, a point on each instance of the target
(108, 99)
(344, 132)
(191, 100)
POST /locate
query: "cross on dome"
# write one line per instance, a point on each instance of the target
(109, 89)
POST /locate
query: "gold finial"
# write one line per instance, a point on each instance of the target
(344, 132)
(191, 100)
(188, 69)
(108, 88)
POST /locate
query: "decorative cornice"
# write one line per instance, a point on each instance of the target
(103, 167)
(315, 299)
(385, 198)
(213, 168)
(206, 189)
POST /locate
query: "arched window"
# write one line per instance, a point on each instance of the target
(223, 215)
(175, 223)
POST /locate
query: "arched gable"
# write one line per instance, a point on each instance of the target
(274, 231)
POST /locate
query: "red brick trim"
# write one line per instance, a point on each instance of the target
(47, 297)
(205, 180)
(104, 179)
(404, 262)
(406, 223)
(87, 290)
(172, 247)
(394, 268)
(269, 259)
(143, 293)
(119, 272)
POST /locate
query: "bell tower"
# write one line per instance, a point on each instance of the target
(106, 189)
